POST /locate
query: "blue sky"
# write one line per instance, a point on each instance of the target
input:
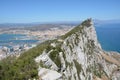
(26, 11)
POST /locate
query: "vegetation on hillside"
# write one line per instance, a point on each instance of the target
(24, 67)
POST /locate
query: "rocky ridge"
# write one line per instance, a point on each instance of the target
(78, 56)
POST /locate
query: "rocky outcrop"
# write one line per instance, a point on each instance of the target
(78, 56)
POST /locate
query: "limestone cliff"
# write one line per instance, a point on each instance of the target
(78, 56)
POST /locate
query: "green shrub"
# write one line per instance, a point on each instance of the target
(24, 67)
(54, 55)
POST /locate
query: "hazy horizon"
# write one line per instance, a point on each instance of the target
(57, 22)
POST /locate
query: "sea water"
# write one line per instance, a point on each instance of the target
(9, 40)
(109, 36)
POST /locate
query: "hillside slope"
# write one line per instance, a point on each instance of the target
(77, 55)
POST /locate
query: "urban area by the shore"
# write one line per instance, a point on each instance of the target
(40, 35)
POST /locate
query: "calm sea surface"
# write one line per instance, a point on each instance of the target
(9, 40)
(109, 36)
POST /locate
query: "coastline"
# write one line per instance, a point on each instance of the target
(40, 36)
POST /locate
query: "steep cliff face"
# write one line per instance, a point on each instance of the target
(78, 56)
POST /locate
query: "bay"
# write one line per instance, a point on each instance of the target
(10, 40)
